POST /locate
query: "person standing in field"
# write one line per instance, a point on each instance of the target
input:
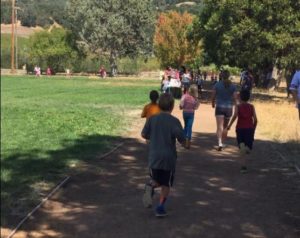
(152, 108)
(37, 71)
(224, 96)
(102, 72)
(295, 89)
(49, 72)
(188, 104)
(245, 127)
(162, 130)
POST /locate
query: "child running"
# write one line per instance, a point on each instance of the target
(152, 108)
(245, 127)
(189, 103)
(162, 130)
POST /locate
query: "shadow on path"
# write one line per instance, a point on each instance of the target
(210, 197)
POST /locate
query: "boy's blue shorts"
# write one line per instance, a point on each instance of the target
(246, 136)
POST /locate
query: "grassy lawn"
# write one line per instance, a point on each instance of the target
(47, 124)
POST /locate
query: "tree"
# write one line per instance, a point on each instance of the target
(115, 27)
(41, 12)
(170, 41)
(5, 12)
(55, 49)
(250, 33)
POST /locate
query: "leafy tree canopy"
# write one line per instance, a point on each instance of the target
(115, 27)
(253, 33)
(55, 49)
(170, 41)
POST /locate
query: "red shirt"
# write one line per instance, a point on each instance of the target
(245, 116)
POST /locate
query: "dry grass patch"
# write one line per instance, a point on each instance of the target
(278, 121)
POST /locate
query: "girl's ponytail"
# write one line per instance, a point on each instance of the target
(226, 80)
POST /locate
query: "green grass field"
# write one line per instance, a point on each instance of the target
(49, 123)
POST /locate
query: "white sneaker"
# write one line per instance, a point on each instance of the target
(147, 197)
(243, 149)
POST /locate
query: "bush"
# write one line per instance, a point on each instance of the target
(22, 51)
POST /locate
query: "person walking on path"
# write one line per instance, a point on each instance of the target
(152, 108)
(295, 89)
(245, 127)
(224, 95)
(188, 104)
(162, 130)
(248, 81)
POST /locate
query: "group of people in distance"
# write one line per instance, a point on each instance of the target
(162, 130)
(183, 78)
(37, 71)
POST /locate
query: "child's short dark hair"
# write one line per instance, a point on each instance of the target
(245, 95)
(154, 96)
(166, 102)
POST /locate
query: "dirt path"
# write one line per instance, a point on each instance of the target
(211, 199)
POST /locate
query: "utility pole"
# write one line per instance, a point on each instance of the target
(12, 51)
(16, 36)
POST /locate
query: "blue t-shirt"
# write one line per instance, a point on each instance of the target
(224, 96)
(295, 84)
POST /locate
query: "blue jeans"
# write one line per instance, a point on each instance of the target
(188, 118)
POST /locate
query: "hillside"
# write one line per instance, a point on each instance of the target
(44, 12)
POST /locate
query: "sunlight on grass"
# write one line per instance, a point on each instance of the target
(51, 125)
(278, 121)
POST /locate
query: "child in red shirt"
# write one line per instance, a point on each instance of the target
(245, 127)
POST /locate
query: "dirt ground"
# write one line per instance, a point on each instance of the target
(210, 198)
(22, 31)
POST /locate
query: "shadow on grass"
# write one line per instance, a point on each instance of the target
(26, 177)
(210, 197)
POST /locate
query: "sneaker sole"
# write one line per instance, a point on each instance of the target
(220, 148)
(160, 215)
(147, 198)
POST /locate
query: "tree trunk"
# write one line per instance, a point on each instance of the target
(113, 63)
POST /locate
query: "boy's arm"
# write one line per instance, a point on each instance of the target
(197, 103)
(235, 98)
(144, 112)
(179, 133)
(213, 98)
(181, 103)
(254, 117)
(146, 130)
(233, 118)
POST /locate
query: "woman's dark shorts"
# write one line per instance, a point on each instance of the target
(221, 111)
(246, 136)
(162, 177)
